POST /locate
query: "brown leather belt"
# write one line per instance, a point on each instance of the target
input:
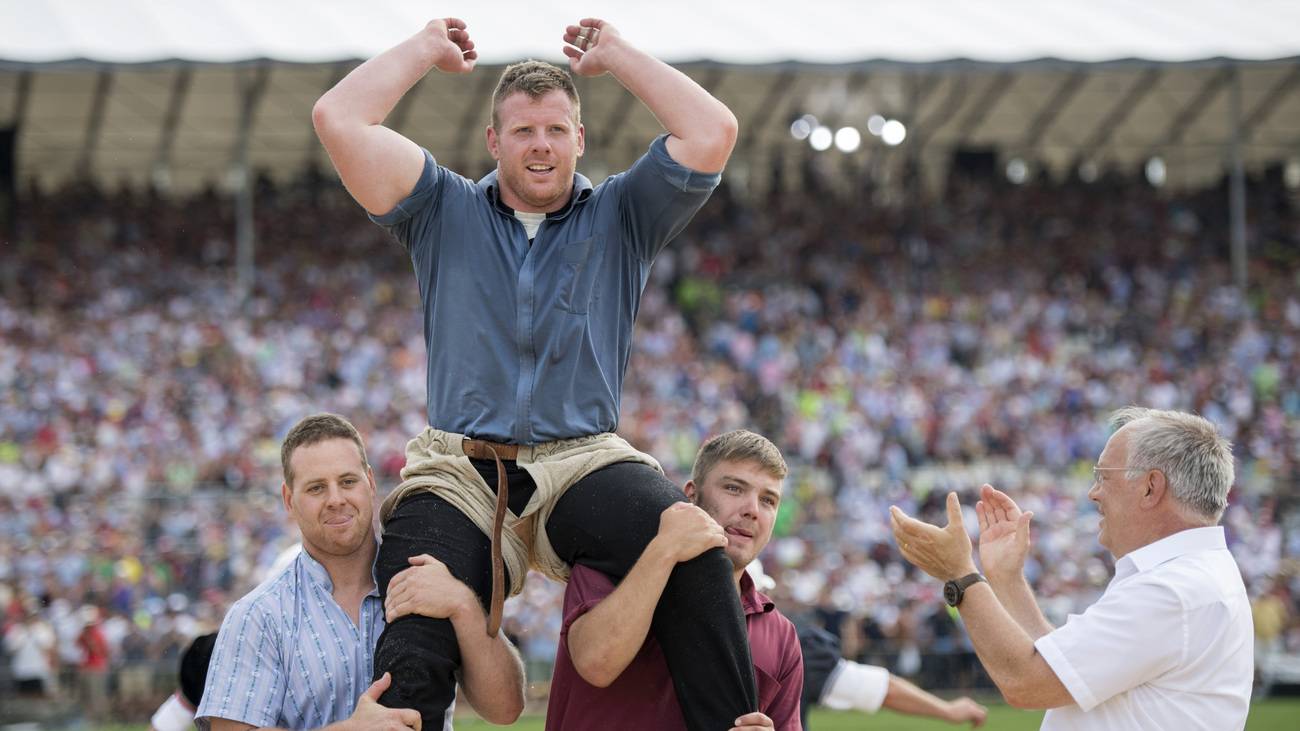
(481, 449)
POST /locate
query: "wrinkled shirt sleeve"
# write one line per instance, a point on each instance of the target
(1132, 634)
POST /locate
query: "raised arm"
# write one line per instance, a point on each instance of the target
(1004, 544)
(603, 641)
(702, 130)
(1004, 648)
(378, 166)
(493, 674)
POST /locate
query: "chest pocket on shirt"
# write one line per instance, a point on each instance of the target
(579, 264)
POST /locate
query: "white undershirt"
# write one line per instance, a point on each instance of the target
(531, 222)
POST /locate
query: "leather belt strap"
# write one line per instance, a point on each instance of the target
(480, 449)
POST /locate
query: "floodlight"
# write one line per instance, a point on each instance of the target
(1017, 171)
(820, 139)
(847, 139)
(893, 133)
(1156, 171)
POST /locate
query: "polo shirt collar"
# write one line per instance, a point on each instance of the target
(581, 192)
(751, 599)
(1171, 547)
(318, 574)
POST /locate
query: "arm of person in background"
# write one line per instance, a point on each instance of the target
(379, 166)
(603, 641)
(1003, 646)
(493, 673)
(368, 716)
(702, 130)
(1004, 544)
(906, 697)
(868, 688)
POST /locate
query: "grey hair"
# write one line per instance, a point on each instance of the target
(1195, 459)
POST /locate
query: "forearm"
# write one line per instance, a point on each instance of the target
(1008, 653)
(369, 93)
(493, 673)
(905, 697)
(704, 127)
(1015, 594)
(603, 641)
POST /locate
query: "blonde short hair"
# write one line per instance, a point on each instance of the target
(739, 446)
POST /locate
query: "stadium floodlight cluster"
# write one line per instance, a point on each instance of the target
(846, 139)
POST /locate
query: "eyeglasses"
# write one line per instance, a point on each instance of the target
(1096, 471)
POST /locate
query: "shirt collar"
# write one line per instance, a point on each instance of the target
(1170, 547)
(318, 574)
(751, 599)
(581, 192)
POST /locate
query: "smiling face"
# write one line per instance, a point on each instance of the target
(743, 498)
(1117, 494)
(332, 497)
(536, 143)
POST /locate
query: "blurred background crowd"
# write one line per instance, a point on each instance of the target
(893, 348)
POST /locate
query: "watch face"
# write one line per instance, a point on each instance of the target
(951, 593)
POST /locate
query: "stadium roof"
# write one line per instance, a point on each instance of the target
(179, 91)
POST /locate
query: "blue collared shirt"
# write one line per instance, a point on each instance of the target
(288, 655)
(530, 343)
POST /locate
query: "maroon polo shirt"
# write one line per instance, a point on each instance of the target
(642, 698)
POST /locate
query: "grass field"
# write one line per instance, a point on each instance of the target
(1272, 715)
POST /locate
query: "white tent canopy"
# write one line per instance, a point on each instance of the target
(755, 31)
(180, 92)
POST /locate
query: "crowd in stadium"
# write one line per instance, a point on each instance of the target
(894, 349)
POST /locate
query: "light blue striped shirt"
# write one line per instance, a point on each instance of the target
(288, 655)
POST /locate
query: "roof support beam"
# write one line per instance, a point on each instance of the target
(974, 119)
(948, 108)
(1236, 184)
(22, 99)
(171, 121)
(1120, 112)
(94, 122)
(471, 120)
(765, 112)
(919, 92)
(1269, 103)
(314, 147)
(614, 124)
(1053, 108)
(252, 89)
(1193, 109)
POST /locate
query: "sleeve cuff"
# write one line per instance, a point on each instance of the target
(853, 686)
(1065, 672)
(681, 177)
(172, 716)
(418, 198)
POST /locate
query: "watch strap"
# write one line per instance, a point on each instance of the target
(968, 580)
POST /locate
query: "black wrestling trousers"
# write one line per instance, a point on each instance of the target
(604, 521)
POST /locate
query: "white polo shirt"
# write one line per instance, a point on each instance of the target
(1168, 646)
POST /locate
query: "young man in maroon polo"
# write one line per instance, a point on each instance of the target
(609, 673)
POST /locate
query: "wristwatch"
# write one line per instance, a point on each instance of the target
(953, 591)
